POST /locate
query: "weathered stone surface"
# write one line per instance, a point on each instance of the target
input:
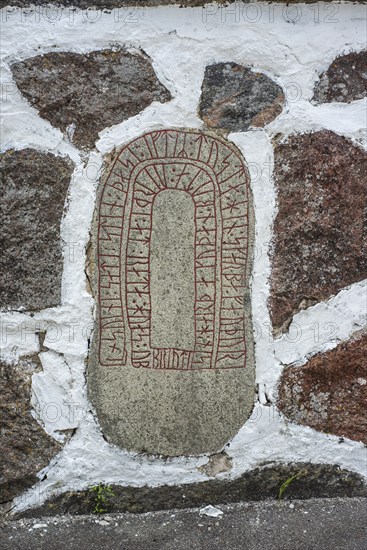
(171, 370)
(344, 81)
(25, 447)
(320, 244)
(84, 93)
(235, 98)
(315, 481)
(33, 187)
(329, 393)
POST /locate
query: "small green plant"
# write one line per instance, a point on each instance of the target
(102, 493)
(288, 481)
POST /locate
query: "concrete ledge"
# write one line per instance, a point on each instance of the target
(308, 481)
(334, 524)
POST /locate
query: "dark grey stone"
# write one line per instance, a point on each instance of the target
(81, 94)
(344, 81)
(25, 447)
(33, 187)
(313, 481)
(235, 98)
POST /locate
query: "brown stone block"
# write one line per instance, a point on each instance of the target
(25, 447)
(329, 393)
(33, 187)
(320, 241)
(81, 94)
(345, 79)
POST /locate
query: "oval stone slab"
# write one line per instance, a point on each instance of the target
(171, 368)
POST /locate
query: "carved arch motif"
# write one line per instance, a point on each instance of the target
(215, 176)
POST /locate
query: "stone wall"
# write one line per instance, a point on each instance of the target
(184, 271)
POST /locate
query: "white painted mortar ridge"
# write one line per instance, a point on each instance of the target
(292, 46)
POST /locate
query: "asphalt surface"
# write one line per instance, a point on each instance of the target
(319, 524)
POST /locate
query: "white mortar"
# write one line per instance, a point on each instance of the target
(181, 42)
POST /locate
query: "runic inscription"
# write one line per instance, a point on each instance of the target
(171, 367)
(215, 180)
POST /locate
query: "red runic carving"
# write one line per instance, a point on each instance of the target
(214, 175)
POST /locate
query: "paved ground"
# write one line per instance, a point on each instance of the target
(320, 524)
